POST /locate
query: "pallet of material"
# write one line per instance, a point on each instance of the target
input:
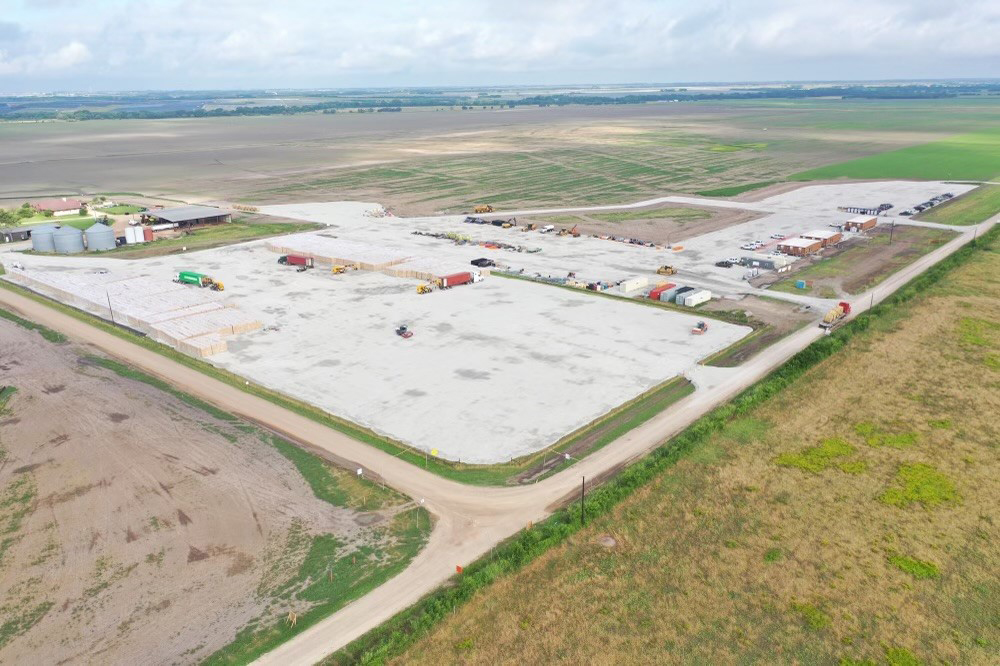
(423, 269)
(338, 251)
(227, 321)
(203, 345)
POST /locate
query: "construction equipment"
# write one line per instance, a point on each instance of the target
(404, 332)
(482, 208)
(199, 279)
(834, 316)
(337, 270)
(424, 288)
(666, 270)
(700, 328)
(531, 226)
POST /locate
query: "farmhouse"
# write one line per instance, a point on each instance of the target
(186, 216)
(59, 207)
(800, 247)
(826, 237)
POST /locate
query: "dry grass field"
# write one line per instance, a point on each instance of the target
(851, 520)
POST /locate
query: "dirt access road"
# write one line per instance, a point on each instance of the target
(469, 520)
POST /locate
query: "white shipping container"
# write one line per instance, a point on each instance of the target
(633, 284)
(697, 297)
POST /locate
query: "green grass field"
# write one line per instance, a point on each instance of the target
(974, 156)
(977, 206)
(121, 209)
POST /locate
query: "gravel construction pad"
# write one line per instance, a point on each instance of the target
(494, 370)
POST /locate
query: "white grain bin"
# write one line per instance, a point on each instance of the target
(67, 240)
(100, 237)
(41, 238)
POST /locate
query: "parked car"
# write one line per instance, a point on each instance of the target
(483, 262)
(733, 260)
(724, 264)
(778, 236)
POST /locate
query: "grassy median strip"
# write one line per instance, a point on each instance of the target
(47, 333)
(482, 475)
(395, 636)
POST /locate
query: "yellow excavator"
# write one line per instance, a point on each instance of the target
(666, 270)
(337, 270)
(483, 208)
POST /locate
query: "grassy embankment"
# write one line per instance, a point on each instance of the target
(977, 206)
(627, 416)
(973, 156)
(865, 263)
(856, 527)
(326, 578)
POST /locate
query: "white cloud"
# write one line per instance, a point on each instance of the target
(233, 43)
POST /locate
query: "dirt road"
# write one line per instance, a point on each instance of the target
(469, 520)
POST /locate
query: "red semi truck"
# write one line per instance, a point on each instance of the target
(458, 278)
(295, 260)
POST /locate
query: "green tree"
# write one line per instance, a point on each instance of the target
(8, 218)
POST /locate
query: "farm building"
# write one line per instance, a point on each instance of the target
(768, 262)
(14, 234)
(59, 207)
(860, 223)
(800, 247)
(186, 216)
(825, 236)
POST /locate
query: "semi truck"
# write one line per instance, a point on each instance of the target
(836, 315)
(199, 280)
(295, 260)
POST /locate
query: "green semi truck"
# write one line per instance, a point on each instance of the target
(199, 280)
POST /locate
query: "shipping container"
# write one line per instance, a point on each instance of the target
(694, 298)
(679, 295)
(632, 284)
(654, 293)
(456, 279)
(147, 234)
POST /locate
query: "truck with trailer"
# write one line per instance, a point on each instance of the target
(295, 260)
(199, 280)
(836, 315)
(456, 279)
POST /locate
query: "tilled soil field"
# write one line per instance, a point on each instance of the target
(124, 509)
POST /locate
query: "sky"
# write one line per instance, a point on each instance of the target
(104, 45)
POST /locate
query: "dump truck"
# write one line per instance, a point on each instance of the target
(836, 315)
(666, 270)
(482, 208)
(295, 260)
(700, 328)
(198, 279)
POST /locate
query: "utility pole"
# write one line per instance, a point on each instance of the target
(583, 489)
(108, 294)
(892, 227)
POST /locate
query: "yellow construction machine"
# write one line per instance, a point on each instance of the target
(337, 269)
(424, 288)
(666, 270)
(531, 226)
(483, 208)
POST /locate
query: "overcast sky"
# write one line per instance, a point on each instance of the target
(155, 44)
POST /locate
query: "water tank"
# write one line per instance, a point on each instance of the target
(100, 237)
(68, 240)
(41, 238)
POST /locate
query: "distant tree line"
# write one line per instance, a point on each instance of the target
(21, 109)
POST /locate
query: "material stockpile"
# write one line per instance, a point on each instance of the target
(423, 269)
(193, 320)
(338, 251)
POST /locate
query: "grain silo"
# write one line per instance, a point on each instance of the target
(68, 240)
(100, 237)
(41, 238)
